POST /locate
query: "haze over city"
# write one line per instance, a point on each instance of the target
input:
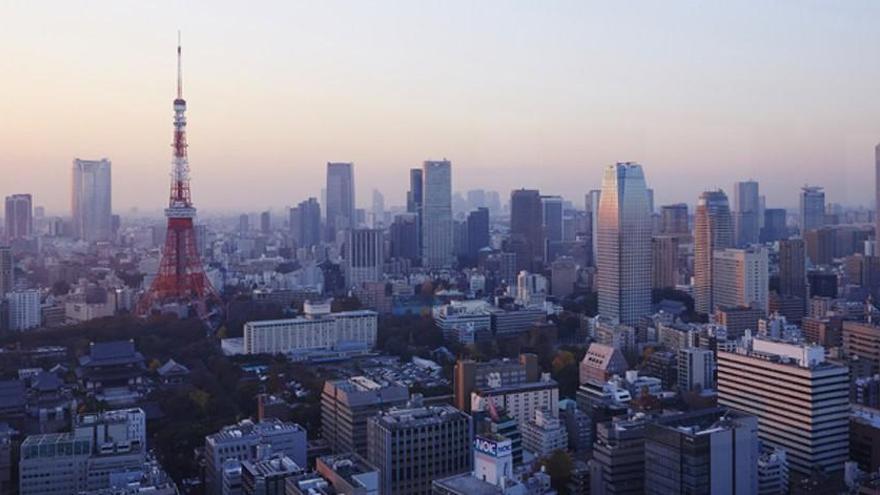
(512, 93)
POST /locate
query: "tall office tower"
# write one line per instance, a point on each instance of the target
(664, 249)
(796, 395)
(181, 278)
(346, 405)
(305, 223)
(526, 229)
(247, 441)
(414, 200)
(7, 271)
(774, 227)
(19, 216)
(592, 209)
(476, 198)
(244, 223)
(877, 193)
(812, 204)
(477, 233)
(624, 257)
(705, 451)
(91, 200)
(265, 222)
(553, 231)
(437, 242)
(405, 237)
(340, 198)
(793, 268)
(650, 193)
(364, 256)
(713, 230)
(674, 219)
(747, 205)
(740, 277)
(413, 445)
(378, 209)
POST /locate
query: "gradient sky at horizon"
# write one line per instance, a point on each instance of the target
(515, 94)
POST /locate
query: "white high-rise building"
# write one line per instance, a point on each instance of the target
(91, 200)
(364, 256)
(801, 400)
(740, 278)
(24, 309)
(624, 245)
(437, 242)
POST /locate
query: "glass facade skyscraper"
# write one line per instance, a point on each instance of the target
(624, 245)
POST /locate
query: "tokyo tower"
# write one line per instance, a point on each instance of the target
(181, 277)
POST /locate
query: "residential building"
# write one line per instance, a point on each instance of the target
(544, 433)
(470, 375)
(19, 217)
(24, 309)
(740, 277)
(519, 401)
(696, 369)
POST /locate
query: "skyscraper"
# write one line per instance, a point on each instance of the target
(526, 228)
(266, 222)
(591, 204)
(747, 204)
(378, 209)
(674, 219)
(624, 242)
(712, 230)
(437, 242)
(877, 193)
(812, 208)
(793, 268)
(774, 227)
(305, 223)
(478, 232)
(405, 237)
(19, 216)
(7, 271)
(91, 200)
(552, 211)
(340, 198)
(664, 249)
(414, 199)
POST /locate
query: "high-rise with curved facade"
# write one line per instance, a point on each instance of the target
(713, 229)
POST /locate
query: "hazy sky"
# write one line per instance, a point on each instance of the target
(539, 94)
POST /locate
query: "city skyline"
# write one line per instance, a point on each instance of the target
(367, 97)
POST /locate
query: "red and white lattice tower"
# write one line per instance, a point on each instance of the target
(181, 278)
